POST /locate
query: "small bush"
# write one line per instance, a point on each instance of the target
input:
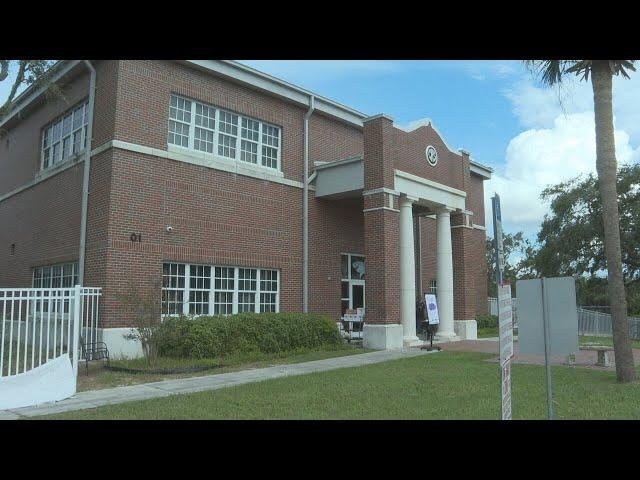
(219, 336)
(487, 321)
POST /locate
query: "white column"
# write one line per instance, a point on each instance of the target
(407, 271)
(444, 255)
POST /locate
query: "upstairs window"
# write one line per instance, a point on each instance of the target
(65, 136)
(204, 128)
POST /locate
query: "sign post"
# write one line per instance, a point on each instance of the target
(547, 321)
(505, 323)
(505, 313)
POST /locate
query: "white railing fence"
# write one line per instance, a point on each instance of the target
(599, 324)
(590, 321)
(42, 324)
(493, 308)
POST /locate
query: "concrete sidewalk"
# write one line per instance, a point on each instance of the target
(111, 396)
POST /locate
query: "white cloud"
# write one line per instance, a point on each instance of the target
(537, 158)
(412, 125)
(304, 71)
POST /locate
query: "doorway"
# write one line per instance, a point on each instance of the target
(353, 282)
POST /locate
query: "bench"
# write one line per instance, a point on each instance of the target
(603, 353)
(93, 351)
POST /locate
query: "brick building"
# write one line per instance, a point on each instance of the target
(195, 190)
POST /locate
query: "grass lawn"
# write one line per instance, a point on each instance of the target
(445, 385)
(99, 377)
(487, 332)
(585, 339)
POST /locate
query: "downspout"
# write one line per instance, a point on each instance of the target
(85, 175)
(305, 210)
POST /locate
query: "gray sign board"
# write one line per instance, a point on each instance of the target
(562, 316)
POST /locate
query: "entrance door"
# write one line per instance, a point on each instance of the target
(353, 273)
(357, 295)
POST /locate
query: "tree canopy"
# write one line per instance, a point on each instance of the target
(28, 72)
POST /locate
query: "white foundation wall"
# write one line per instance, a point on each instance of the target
(120, 347)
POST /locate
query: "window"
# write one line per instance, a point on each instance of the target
(173, 285)
(268, 290)
(63, 275)
(218, 290)
(247, 286)
(223, 291)
(433, 287)
(201, 127)
(64, 137)
(352, 282)
(199, 288)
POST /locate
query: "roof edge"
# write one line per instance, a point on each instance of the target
(265, 82)
(33, 92)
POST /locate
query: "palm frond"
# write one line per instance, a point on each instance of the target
(550, 72)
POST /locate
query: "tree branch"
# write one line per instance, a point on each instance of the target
(14, 88)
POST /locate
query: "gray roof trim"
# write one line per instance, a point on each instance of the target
(60, 68)
(480, 169)
(337, 163)
(262, 81)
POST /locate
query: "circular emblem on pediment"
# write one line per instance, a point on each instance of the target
(432, 155)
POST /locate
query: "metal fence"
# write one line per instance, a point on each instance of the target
(493, 308)
(41, 324)
(595, 323)
(590, 320)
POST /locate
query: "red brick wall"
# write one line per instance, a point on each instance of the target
(43, 221)
(409, 153)
(218, 217)
(20, 144)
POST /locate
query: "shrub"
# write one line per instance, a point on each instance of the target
(219, 336)
(487, 321)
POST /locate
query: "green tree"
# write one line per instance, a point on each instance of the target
(571, 238)
(28, 72)
(551, 72)
(515, 245)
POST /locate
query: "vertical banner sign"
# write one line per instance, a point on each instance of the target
(505, 323)
(505, 320)
(432, 308)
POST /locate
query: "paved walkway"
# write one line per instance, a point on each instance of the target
(111, 396)
(584, 358)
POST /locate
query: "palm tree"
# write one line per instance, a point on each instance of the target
(551, 72)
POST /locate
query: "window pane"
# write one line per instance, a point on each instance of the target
(357, 268)
(345, 290)
(250, 129)
(66, 124)
(178, 133)
(269, 157)
(246, 302)
(345, 266)
(203, 140)
(226, 146)
(228, 123)
(249, 152)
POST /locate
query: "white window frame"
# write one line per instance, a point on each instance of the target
(61, 306)
(352, 281)
(238, 137)
(213, 290)
(52, 162)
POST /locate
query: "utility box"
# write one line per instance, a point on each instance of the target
(555, 297)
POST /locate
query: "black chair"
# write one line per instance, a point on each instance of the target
(93, 351)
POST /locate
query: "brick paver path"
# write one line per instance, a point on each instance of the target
(584, 358)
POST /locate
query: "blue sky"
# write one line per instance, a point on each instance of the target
(530, 135)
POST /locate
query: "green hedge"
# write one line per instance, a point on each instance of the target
(219, 336)
(487, 321)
